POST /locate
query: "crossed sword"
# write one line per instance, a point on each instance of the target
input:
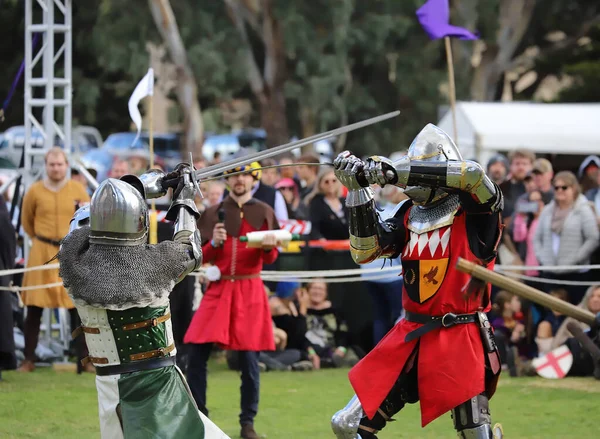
(215, 171)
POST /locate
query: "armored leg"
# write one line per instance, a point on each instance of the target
(472, 419)
(345, 422)
(351, 422)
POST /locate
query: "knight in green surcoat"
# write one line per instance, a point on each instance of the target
(121, 285)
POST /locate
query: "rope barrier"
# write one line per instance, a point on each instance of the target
(350, 271)
(25, 270)
(550, 281)
(338, 276)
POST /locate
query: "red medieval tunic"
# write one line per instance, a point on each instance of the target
(235, 313)
(451, 361)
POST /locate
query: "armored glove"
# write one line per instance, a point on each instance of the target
(380, 170)
(349, 170)
(183, 194)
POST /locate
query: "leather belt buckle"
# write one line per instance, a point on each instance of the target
(448, 319)
(154, 322)
(162, 352)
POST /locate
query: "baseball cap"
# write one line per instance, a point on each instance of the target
(542, 166)
(498, 158)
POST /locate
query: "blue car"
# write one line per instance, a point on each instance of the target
(167, 147)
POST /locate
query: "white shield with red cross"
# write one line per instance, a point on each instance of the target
(555, 364)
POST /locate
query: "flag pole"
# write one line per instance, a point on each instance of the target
(452, 88)
(153, 238)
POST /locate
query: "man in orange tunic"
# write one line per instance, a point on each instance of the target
(234, 312)
(48, 207)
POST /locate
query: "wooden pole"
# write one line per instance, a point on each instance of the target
(452, 86)
(525, 291)
(153, 238)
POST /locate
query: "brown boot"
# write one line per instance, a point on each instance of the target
(248, 432)
(26, 366)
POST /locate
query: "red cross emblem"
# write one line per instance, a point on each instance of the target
(555, 364)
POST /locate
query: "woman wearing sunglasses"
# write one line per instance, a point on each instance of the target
(567, 234)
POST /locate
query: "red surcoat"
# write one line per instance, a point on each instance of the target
(451, 364)
(235, 314)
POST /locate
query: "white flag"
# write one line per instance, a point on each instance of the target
(144, 88)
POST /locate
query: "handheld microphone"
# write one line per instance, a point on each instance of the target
(221, 219)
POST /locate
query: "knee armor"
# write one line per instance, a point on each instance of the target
(345, 422)
(472, 420)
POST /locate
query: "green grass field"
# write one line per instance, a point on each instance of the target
(48, 404)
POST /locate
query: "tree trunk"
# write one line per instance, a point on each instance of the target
(186, 89)
(266, 83)
(514, 18)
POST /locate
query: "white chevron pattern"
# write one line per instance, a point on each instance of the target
(428, 239)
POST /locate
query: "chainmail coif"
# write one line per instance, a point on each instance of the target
(120, 277)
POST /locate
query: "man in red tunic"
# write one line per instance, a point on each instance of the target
(234, 312)
(443, 352)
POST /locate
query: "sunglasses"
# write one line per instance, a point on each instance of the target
(561, 188)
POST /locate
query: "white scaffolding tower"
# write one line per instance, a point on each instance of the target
(49, 95)
(52, 20)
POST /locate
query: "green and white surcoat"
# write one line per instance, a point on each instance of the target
(141, 392)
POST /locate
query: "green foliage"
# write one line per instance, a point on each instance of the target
(346, 58)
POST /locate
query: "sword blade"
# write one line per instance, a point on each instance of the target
(261, 155)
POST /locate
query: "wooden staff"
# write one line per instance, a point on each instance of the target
(153, 229)
(452, 91)
(526, 292)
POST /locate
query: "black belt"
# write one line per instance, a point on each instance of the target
(432, 322)
(136, 366)
(48, 241)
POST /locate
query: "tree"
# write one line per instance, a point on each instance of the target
(264, 62)
(187, 90)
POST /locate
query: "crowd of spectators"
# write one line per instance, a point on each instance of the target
(550, 219)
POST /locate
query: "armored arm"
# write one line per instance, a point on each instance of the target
(370, 238)
(184, 213)
(464, 177)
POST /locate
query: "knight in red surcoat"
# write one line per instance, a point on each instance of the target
(443, 352)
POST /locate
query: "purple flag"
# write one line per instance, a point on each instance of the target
(434, 16)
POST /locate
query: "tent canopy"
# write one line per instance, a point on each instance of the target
(488, 127)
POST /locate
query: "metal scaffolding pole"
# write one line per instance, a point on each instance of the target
(48, 91)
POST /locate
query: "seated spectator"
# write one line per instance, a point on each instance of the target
(288, 308)
(291, 194)
(567, 233)
(327, 330)
(549, 326)
(328, 214)
(583, 364)
(282, 359)
(509, 330)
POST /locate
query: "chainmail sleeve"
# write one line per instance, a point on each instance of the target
(120, 277)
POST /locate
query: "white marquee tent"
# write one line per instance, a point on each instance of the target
(485, 128)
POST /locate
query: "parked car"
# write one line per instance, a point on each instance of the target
(251, 140)
(83, 139)
(166, 146)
